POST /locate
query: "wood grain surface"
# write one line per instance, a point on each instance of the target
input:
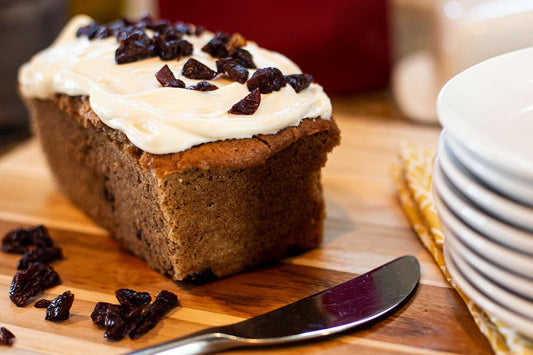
(365, 228)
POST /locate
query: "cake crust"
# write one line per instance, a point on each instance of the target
(220, 207)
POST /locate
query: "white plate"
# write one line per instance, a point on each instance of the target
(516, 321)
(513, 187)
(480, 221)
(509, 300)
(497, 205)
(509, 280)
(509, 259)
(489, 108)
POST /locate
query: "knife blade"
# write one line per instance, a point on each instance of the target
(350, 304)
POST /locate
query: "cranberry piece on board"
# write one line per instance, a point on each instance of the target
(59, 308)
(6, 337)
(28, 283)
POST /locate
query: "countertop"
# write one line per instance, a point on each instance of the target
(365, 227)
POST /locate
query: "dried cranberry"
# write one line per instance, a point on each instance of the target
(28, 283)
(158, 25)
(243, 57)
(131, 298)
(42, 255)
(43, 303)
(233, 69)
(203, 86)
(6, 337)
(89, 30)
(167, 78)
(164, 302)
(267, 80)
(193, 69)
(172, 49)
(59, 308)
(103, 32)
(185, 28)
(18, 240)
(136, 45)
(217, 45)
(199, 30)
(99, 312)
(299, 81)
(248, 105)
(115, 326)
(170, 33)
(117, 26)
(236, 40)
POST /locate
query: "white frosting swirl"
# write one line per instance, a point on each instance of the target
(161, 120)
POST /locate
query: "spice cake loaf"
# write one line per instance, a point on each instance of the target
(199, 152)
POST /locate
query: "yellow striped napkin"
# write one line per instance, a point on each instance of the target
(412, 177)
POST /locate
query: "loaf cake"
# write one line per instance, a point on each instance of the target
(199, 152)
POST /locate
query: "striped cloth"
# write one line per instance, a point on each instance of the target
(413, 177)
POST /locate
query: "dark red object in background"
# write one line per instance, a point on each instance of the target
(343, 44)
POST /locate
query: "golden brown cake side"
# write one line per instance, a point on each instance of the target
(221, 207)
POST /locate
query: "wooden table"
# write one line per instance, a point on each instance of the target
(365, 228)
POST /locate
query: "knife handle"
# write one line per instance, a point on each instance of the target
(203, 342)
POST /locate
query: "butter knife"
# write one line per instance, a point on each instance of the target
(353, 303)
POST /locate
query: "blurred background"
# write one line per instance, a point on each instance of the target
(390, 54)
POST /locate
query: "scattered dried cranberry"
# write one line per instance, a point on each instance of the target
(194, 69)
(267, 80)
(236, 40)
(43, 303)
(172, 49)
(59, 308)
(89, 30)
(199, 30)
(6, 337)
(185, 28)
(42, 255)
(136, 45)
(233, 69)
(28, 283)
(131, 298)
(203, 86)
(99, 312)
(19, 240)
(115, 326)
(167, 78)
(299, 81)
(243, 57)
(217, 45)
(129, 318)
(164, 302)
(248, 105)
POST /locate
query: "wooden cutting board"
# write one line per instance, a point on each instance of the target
(365, 228)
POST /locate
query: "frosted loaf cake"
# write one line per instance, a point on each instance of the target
(199, 152)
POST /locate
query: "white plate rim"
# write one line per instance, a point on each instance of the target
(501, 276)
(493, 308)
(512, 187)
(462, 128)
(496, 230)
(513, 302)
(498, 205)
(515, 261)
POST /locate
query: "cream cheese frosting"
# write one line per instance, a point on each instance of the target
(162, 120)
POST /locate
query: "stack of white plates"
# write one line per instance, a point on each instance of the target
(483, 185)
